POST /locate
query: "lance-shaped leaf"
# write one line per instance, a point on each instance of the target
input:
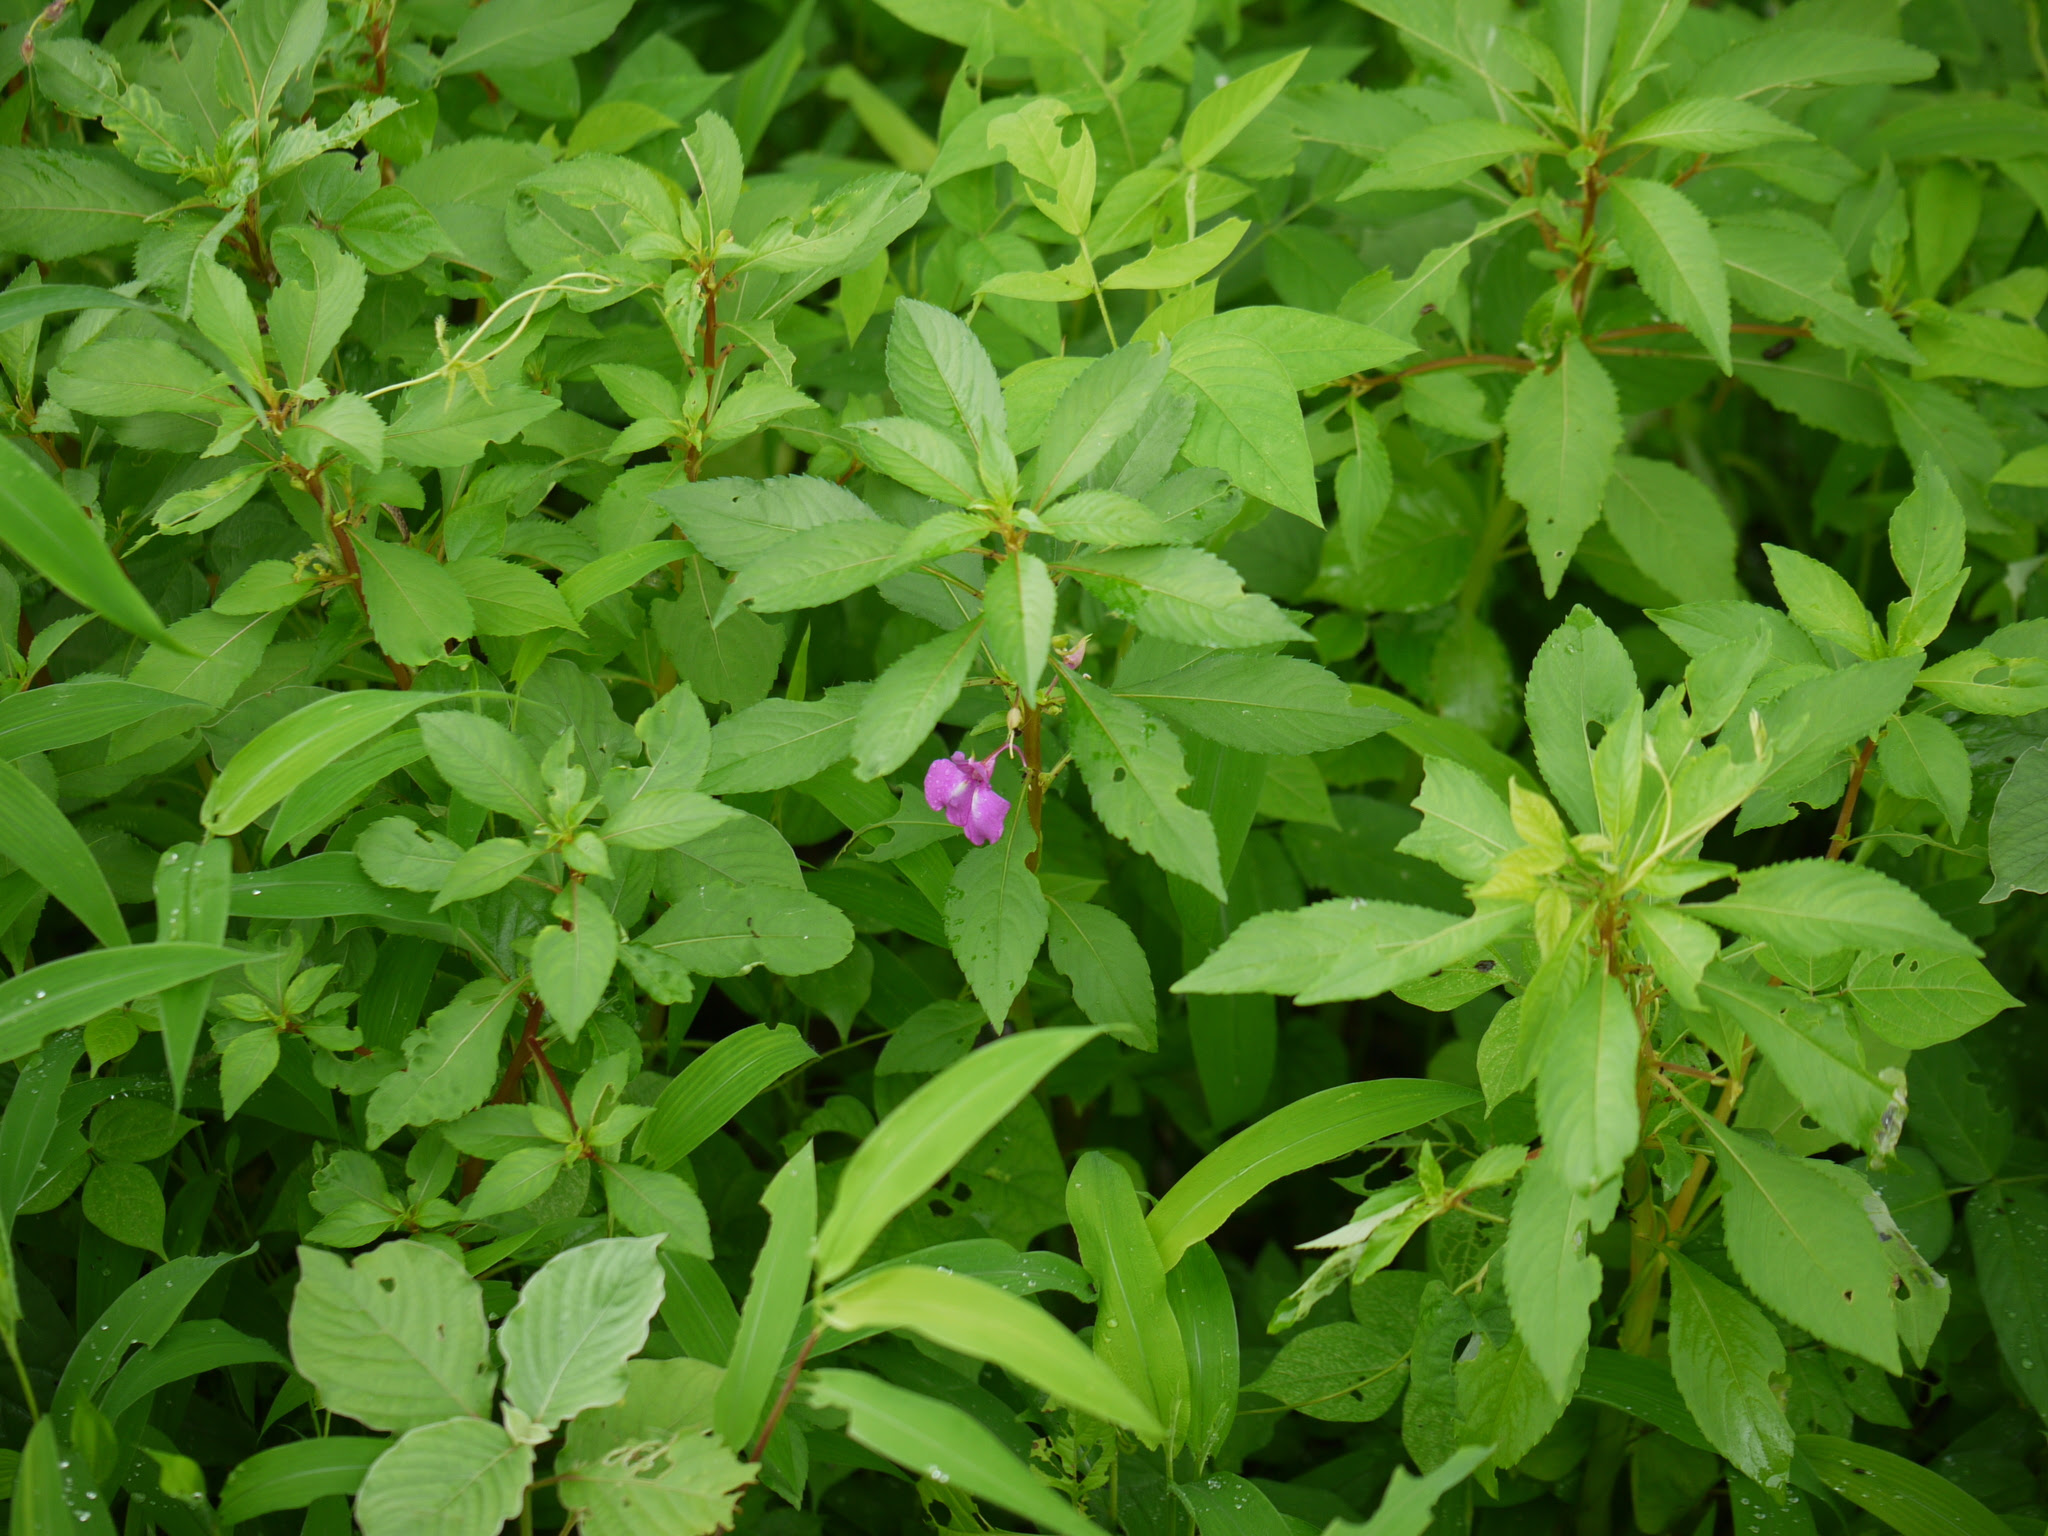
(1676, 260)
(1273, 705)
(282, 757)
(65, 993)
(774, 1300)
(931, 1437)
(41, 840)
(1309, 1131)
(53, 535)
(1135, 1329)
(1586, 1086)
(1552, 1279)
(717, 1084)
(924, 1136)
(977, 1319)
(1817, 907)
(907, 700)
(996, 918)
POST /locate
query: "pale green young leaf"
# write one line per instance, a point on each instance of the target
(908, 699)
(782, 741)
(573, 959)
(1224, 113)
(1106, 400)
(1582, 677)
(1176, 266)
(450, 1065)
(1711, 125)
(1182, 594)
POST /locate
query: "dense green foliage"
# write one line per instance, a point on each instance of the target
(1155, 767)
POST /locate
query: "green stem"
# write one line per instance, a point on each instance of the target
(1492, 541)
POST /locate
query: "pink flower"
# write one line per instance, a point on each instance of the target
(958, 788)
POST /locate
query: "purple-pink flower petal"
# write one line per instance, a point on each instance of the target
(958, 788)
(986, 812)
(944, 780)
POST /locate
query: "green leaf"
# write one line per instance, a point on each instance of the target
(926, 1435)
(1910, 1499)
(486, 764)
(1227, 111)
(996, 917)
(416, 606)
(1407, 1506)
(1188, 595)
(1340, 1373)
(1814, 907)
(718, 1083)
(1672, 529)
(1108, 399)
(573, 959)
(1564, 427)
(448, 426)
(1814, 1050)
(1586, 1086)
(283, 756)
(1445, 154)
(1552, 1278)
(1823, 604)
(127, 1204)
(1314, 349)
(1247, 421)
(666, 818)
(294, 1475)
(42, 841)
(1789, 58)
(578, 1321)
(940, 373)
(464, 1477)
(1787, 268)
(1309, 1131)
(781, 741)
(1504, 1400)
(1177, 266)
(920, 1140)
(311, 309)
(1675, 258)
(396, 1339)
(522, 34)
(2008, 1229)
(1803, 1245)
(62, 204)
(509, 599)
(1135, 773)
(62, 994)
(1915, 998)
(1206, 1313)
(1135, 1330)
(1642, 1389)
(1264, 704)
(1924, 759)
(1711, 125)
(1724, 1353)
(977, 1319)
(2018, 834)
(907, 700)
(774, 1299)
(1017, 606)
(1345, 949)
(450, 1065)
(52, 535)
(1099, 955)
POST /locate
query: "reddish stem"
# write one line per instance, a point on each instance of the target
(782, 1397)
(1840, 840)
